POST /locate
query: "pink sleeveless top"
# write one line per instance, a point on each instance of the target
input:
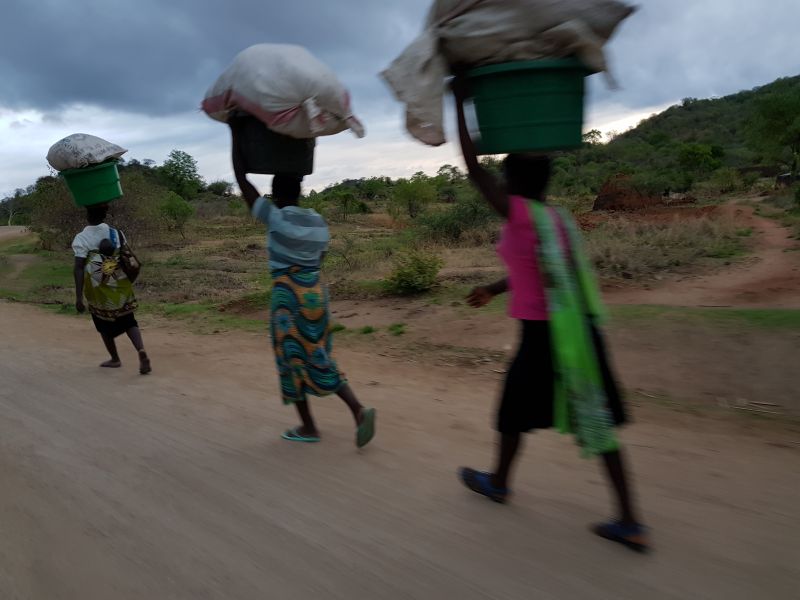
(518, 247)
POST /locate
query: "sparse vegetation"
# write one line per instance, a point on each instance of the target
(414, 272)
(631, 249)
(393, 236)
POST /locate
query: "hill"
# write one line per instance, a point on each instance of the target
(697, 141)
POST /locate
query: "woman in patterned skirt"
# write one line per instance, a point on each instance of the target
(300, 320)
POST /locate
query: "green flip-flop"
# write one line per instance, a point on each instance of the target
(294, 435)
(366, 430)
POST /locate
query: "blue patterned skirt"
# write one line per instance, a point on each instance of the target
(301, 336)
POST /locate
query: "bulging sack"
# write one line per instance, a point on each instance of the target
(81, 150)
(472, 33)
(286, 88)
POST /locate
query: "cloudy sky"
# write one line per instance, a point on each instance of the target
(134, 72)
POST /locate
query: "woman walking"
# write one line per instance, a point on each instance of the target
(101, 275)
(560, 377)
(300, 318)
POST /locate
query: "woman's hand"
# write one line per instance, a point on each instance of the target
(480, 297)
(459, 87)
(80, 307)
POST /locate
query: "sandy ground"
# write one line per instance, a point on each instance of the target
(8, 233)
(117, 486)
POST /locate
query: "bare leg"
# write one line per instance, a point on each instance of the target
(309, 428)
(111, 346)
(615, 469)
(509, 446)
(135, 336)
(346, 393)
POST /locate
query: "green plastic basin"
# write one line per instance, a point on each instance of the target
(529, 106)
(95, 184)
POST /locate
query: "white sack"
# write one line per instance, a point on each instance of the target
(471, 33)
(81, 150)
(287, 88)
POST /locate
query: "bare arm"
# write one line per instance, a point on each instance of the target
(487, 183)
(249, 191)
(78, 273)
(481, 296)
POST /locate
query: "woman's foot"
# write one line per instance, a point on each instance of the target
(631, 535)
(366, 427)
(144, 363)
(112, 364)
(300, 434)
(481, 483)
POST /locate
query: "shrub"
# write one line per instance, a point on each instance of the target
(414, 272)
(176, 212)
(397, 329)
(456, 223)
(723, 181)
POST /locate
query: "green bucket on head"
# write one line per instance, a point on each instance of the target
(529, 106)
(95, 184)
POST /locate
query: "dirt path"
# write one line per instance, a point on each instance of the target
(768, 279)
(9, 233)
(116, 486)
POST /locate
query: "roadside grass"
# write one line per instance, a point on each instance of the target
(632, 249)
(756, 318)
(220, 275)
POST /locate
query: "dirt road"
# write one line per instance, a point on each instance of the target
(116, 486)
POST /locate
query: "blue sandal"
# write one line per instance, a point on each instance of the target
(630, 536)
(481, 483)
(366, 430)
(294, 435)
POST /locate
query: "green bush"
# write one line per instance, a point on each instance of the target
(414, 272)
(458, 221)
(397, 329)
(176, 212)
(411, 197)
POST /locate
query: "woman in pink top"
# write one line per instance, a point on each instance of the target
(527, 402)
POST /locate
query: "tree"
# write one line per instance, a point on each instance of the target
(346, 202)
(374, 188)
(220, 188)
(593, 137)
(450, 174)
(179, 173)
(9, 208)
(699, 158)
(176, 212)
(775, 127)
(411, 196)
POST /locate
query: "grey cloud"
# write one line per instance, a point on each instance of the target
(154, 57)
(159, 57)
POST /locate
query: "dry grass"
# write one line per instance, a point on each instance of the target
(633, 249)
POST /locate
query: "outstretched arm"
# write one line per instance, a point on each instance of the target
(487, 183)
(249, 191)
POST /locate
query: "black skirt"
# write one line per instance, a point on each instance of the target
(116, 327)
(527, 400)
